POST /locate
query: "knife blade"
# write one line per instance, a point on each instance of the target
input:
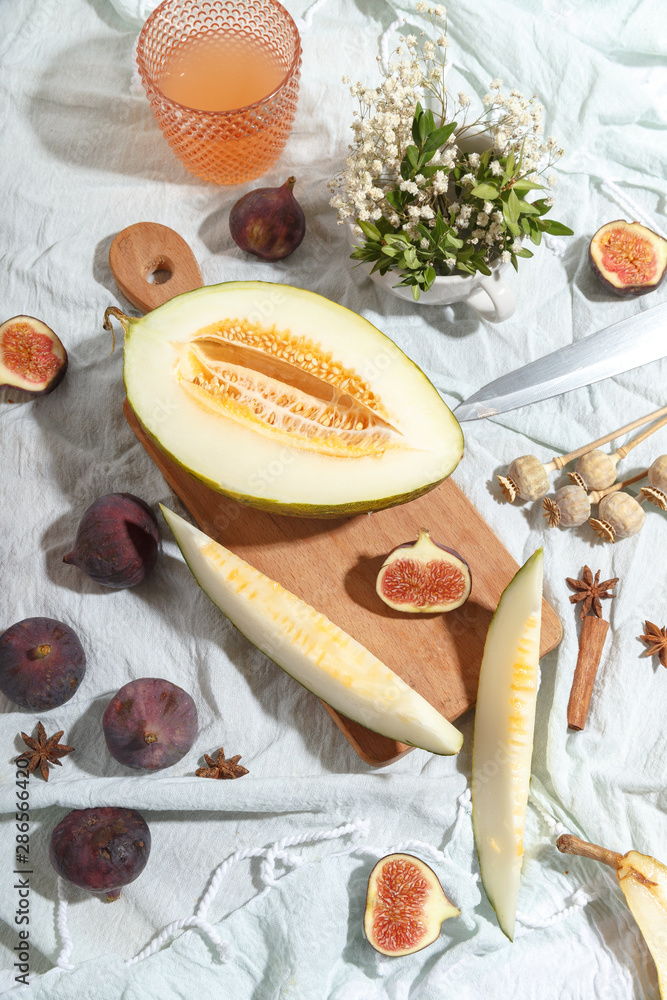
(618, 348)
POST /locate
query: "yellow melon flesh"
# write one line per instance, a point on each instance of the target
(503, 740)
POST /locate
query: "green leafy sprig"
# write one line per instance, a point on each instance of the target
(490, 183)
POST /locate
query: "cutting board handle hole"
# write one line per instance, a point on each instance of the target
(160, 273)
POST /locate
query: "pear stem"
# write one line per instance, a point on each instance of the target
(567, 843)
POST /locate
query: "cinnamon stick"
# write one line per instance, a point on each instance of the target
(591, 640)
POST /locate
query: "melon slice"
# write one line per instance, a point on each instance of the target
(310, 648)
(286, 401)
(503, 739)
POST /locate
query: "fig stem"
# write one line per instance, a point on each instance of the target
(122, 318)
(150, 738)
(112, 894)
(39, 652)
(567, 843)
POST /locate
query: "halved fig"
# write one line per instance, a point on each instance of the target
(628, 258)
(424, 576)
(32, 358)
(405, 906)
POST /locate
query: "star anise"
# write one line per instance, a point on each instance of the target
(656, 640)
(590, 591)
(221, 768)
(44, 752)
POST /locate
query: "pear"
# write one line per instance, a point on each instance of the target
(643, 880)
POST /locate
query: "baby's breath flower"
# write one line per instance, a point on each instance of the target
(381, 160)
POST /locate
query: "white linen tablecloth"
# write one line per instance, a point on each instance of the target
(81, 159)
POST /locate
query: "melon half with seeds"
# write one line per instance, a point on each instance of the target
(503, 740)
(286, 401)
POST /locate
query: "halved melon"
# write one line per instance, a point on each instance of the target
(287, 401)
(503, 739)
(309, 647)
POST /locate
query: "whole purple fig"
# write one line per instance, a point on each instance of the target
(116, 542)
(42, 663)
(101, 849)
(268, 222)
(150, 724)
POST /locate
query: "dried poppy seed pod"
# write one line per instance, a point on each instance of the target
(620, 516)
(528, 478)
(571, 505)
(656, 491)
(596, 470)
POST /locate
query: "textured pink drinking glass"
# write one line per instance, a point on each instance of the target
(230, 146)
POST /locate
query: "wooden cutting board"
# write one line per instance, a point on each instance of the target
(333, 564)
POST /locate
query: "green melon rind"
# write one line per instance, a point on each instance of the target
(506, 922)
(435, 733)
(297, 508)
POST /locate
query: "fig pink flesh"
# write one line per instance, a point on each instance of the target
(407, 581)
(32, 358)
